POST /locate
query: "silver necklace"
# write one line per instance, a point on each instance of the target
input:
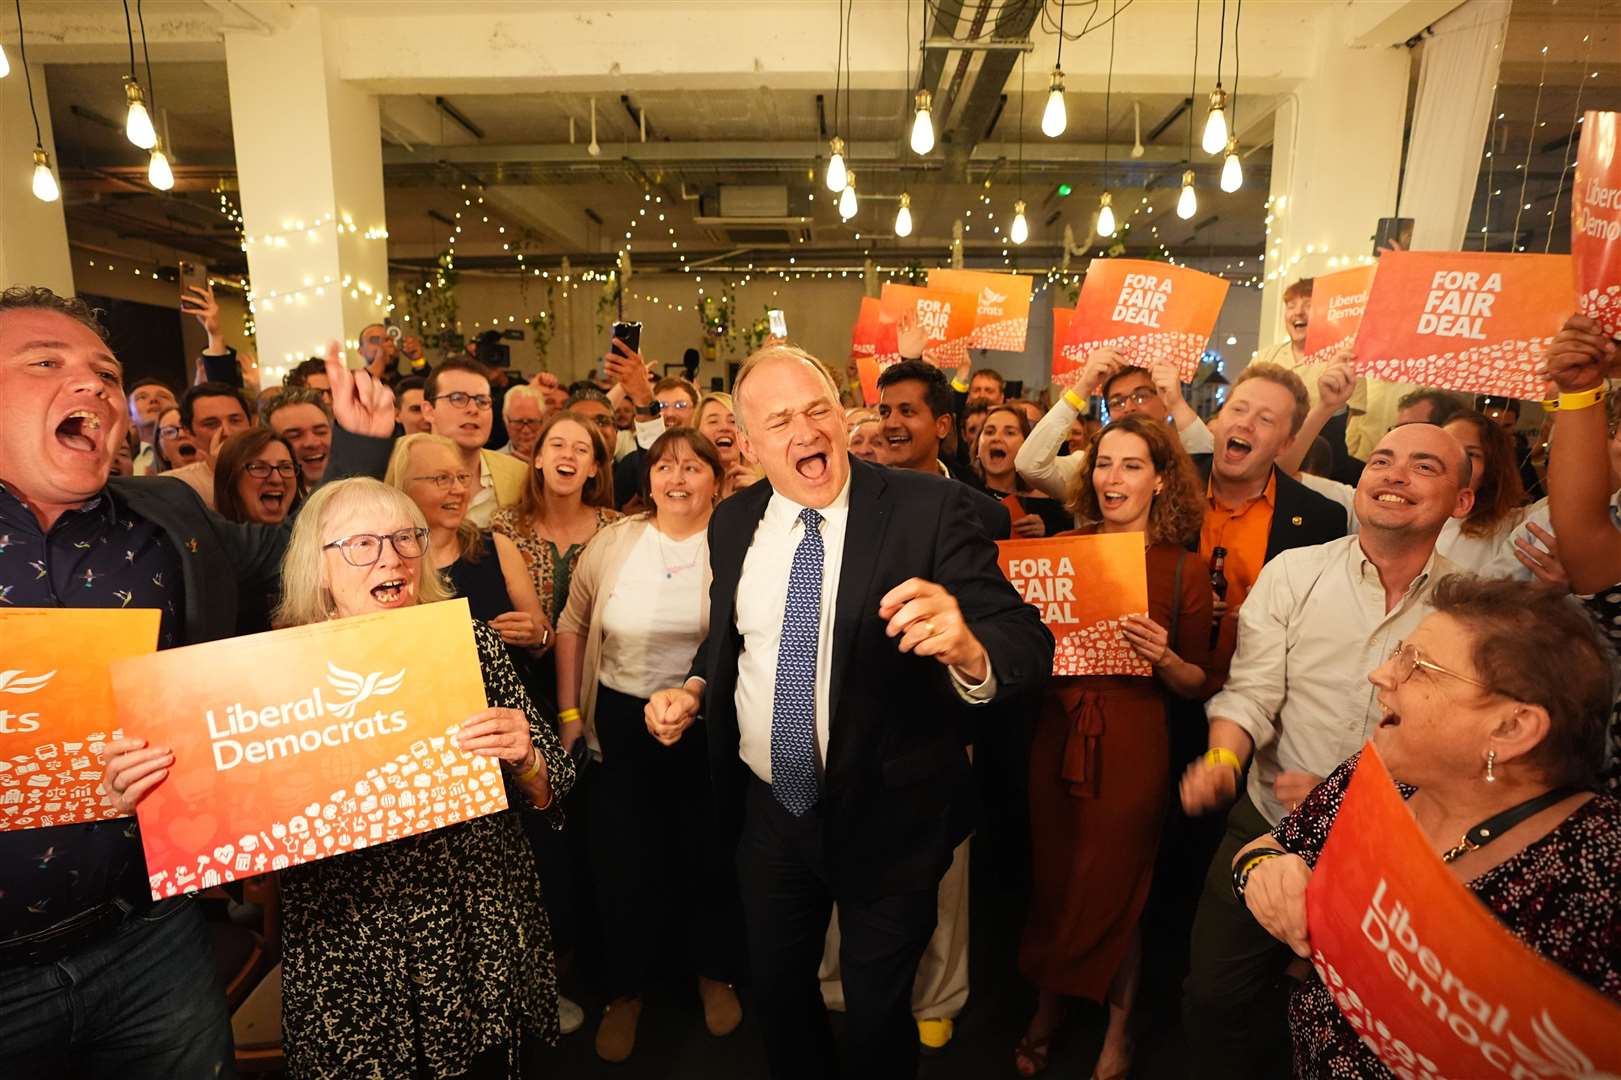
(672, 569)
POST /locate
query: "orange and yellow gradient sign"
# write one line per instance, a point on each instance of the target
(1082, 585)
(1003, 315)
(1423, 972)
(56, 709)
(1337, 303)
(1149, 311)
(947, 319)
(1473, 321)
(305, 743)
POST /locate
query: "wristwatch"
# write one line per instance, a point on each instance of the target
(651, 409)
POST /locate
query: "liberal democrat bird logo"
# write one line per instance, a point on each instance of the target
(15, 682)
(358, 688)
(990, 298)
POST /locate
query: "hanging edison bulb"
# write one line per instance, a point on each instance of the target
(1187, 203)
(158, 172)
(903, 216)
(138, 123)
(1105, 215)
(1215, 122)
(837, 177)
(1055, 118)
(1232, 171)
(45, 187)
(923, 125)
(847, 200)
(5, 65)
(1019, 232)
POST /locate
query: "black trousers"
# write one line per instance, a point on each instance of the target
(1235, 1003)
(787, 901)
(663, 885)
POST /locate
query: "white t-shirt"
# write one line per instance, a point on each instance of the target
(652, 619)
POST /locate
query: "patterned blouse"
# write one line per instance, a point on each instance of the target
(412, 958)
(1561, 895)
(550, 568)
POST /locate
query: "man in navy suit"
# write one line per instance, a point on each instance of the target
(856, 616)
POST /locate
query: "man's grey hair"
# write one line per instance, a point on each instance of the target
(524, 392)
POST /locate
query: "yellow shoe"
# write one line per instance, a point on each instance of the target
(935, 1035)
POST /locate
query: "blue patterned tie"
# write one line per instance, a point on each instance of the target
(793, 709)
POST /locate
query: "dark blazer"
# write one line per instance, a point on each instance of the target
(1300, 516)
(898, 791)
(993, 517)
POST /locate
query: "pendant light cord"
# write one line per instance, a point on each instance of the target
(1059, 62)
(1221, 43)
(1193, 89)
(151, 87)
(129, 31)
(849, 13)
(28, 77)
(838, 67)
(1108, 96)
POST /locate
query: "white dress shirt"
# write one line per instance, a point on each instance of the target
(762, 599)
(1309, 633)
(484, 504)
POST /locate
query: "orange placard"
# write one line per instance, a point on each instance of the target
(871, 335)
(1424, 973)
(56, 709)
(1002, 315)
(305, 743)
(1595, 221)
(1067, 356)
(1149, 311)
(867, 370)
(1337, 303)
(1473, 321)
(947, 318)
(1082, 585)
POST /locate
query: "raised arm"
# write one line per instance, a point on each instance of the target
(1579, 480)
(1334, 388)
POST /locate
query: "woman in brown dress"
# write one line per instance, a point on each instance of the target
(1098, 766)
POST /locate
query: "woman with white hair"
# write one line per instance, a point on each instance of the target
(430, 955)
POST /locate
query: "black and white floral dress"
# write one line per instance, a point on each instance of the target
(415, 957)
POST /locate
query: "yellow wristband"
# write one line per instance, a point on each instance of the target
(958, 386)
(1075, 400)
(1549, 404)
(568, 716)
(1220, 755)
(1253, 861)
(1583, 399)
(533, 770)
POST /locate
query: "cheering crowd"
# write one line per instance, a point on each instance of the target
(755, 677)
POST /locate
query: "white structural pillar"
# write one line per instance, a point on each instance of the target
(1335, 166)
(309, 163)
(33, 234)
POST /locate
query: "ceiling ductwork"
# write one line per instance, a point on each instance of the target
(755, 215)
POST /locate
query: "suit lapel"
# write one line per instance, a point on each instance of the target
(726, 557)
(863, 539)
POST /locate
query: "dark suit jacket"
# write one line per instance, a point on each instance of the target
(993, 516)
(898, 791)
(1300, 516)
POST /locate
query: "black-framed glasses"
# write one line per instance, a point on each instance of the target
(525, 424)
(261, 470)
(169, 432)
(445, 481)
(1409, 659)
(460, 400)
(364, 549)
(1140, 396)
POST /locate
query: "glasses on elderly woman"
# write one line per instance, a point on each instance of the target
(261, 470)
(364, 549)
(445, 481)
(1409, 659)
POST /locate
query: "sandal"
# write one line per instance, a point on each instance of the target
(1030, 1056)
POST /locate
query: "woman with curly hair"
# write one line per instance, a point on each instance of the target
(1098, 764)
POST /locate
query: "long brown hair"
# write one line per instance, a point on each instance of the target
(234, 455)
(1501, 492)
(1177, 512)
(598, 490)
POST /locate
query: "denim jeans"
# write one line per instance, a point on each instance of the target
(142, 1004)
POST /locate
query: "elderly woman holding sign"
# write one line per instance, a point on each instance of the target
(430, 955)
(1494, 724)
(1099, 760)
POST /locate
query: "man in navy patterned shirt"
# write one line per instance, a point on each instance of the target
(93, 974)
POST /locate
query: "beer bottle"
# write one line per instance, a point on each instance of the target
(1218, 585)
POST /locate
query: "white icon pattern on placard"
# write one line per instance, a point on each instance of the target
(56, 783)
